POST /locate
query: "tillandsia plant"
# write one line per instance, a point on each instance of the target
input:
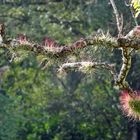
(129, 98)
(130, 104)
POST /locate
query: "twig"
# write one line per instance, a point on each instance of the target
(119, 18)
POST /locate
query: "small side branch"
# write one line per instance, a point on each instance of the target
(89, 65)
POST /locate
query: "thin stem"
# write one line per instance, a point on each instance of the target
(119, 19)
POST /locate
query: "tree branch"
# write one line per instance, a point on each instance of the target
(51, 48)
(60, 50)
(89, 65)
(126, 64)
(119, 18)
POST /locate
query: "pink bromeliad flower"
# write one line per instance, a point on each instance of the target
(130, 104)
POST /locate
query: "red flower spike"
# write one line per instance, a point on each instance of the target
(130, 105)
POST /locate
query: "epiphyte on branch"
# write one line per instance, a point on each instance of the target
(22, 38)
(49, 42)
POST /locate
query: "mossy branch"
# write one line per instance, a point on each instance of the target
(126, 64)
(59, 50)
(52, 49)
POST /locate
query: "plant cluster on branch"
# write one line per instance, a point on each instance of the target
(50, 48)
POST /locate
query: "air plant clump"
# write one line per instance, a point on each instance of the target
(22, 39)
(130, 104)
(49, 42)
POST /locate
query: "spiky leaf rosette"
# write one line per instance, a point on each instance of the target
(130, 104)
